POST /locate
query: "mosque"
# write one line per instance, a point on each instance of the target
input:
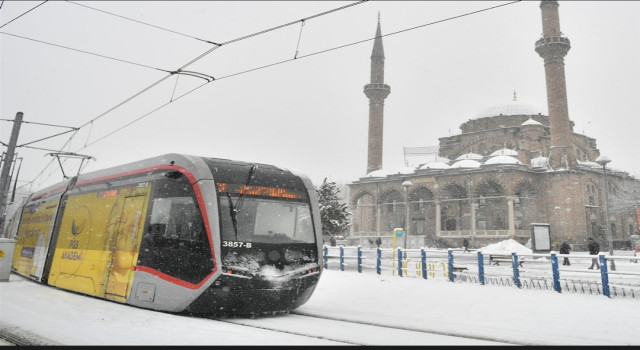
(510, 170)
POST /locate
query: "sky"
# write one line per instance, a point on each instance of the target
(293, 96)
(448, 314)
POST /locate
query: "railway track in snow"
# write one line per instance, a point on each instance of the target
(351, 332)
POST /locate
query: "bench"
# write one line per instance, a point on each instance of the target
(496, 259)
(459, 268)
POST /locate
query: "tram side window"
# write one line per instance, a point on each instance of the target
(176, 218)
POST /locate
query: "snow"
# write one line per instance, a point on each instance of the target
(466, 163)
(505, 152)
(435, 165)
(502, 160)
(505, 247)
(480, 314)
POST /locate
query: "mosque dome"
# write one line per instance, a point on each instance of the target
(466, 163)
(470, 155)
(504, 152)
(513, 107)
(435, 165)
(502, 159)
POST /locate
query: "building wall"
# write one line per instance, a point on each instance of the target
(494, 203)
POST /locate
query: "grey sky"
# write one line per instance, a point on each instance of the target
(309, 113)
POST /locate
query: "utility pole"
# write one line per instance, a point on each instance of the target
(6, 167)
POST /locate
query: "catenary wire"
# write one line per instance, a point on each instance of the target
(85, 52)
(264, 66)
(289, 60)
(187, 64)
(135, 20)
(33, 8)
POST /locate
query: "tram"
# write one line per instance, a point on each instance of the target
(177, 233)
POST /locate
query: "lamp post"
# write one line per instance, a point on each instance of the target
(405, 186)
(604, 160)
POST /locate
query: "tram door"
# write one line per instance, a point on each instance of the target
(125, 246)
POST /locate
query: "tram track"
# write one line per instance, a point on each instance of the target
(353, 332)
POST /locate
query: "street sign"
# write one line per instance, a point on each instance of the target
(398, 232)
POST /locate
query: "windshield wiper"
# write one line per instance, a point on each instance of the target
(235, 209)
(234, 215)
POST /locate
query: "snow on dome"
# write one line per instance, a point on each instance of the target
(505, 247)
(540, 162)
(510, 108)
(530, 121)
(435, 165)
(470, 155)
(502, 160)
(378, 173)
(466, 163)
(504, 152)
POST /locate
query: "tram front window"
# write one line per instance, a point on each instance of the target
(266, 221)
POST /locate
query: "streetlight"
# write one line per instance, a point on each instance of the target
(604, 160)
(405, 186)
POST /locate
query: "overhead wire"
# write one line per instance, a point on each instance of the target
(365, 40)
(87, 144)
(67, 143)
(140, 22)
(86, 52)
(307, 55)
(33, 8)
(144, 116)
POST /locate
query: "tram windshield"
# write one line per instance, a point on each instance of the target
(265, 220)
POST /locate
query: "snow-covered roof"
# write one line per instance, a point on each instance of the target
(470, 155)
(502, 160)
(504, 152)
(435, 165)
(378, 173)
(466, 163)
(590, 164)
(403, 170)
(510, 108)
(530, 121)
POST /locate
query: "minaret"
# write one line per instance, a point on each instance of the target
(376, 92)
(552, 48)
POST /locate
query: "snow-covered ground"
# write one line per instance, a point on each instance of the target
(502, 313)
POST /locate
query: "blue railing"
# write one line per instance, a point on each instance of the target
(540, 271)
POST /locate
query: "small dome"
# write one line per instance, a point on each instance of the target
(466, 163)
(502, 160)
(504, 152)
(510, 108)
(470, 155)
(435, 165)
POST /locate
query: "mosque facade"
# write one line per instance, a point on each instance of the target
(509, 170)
